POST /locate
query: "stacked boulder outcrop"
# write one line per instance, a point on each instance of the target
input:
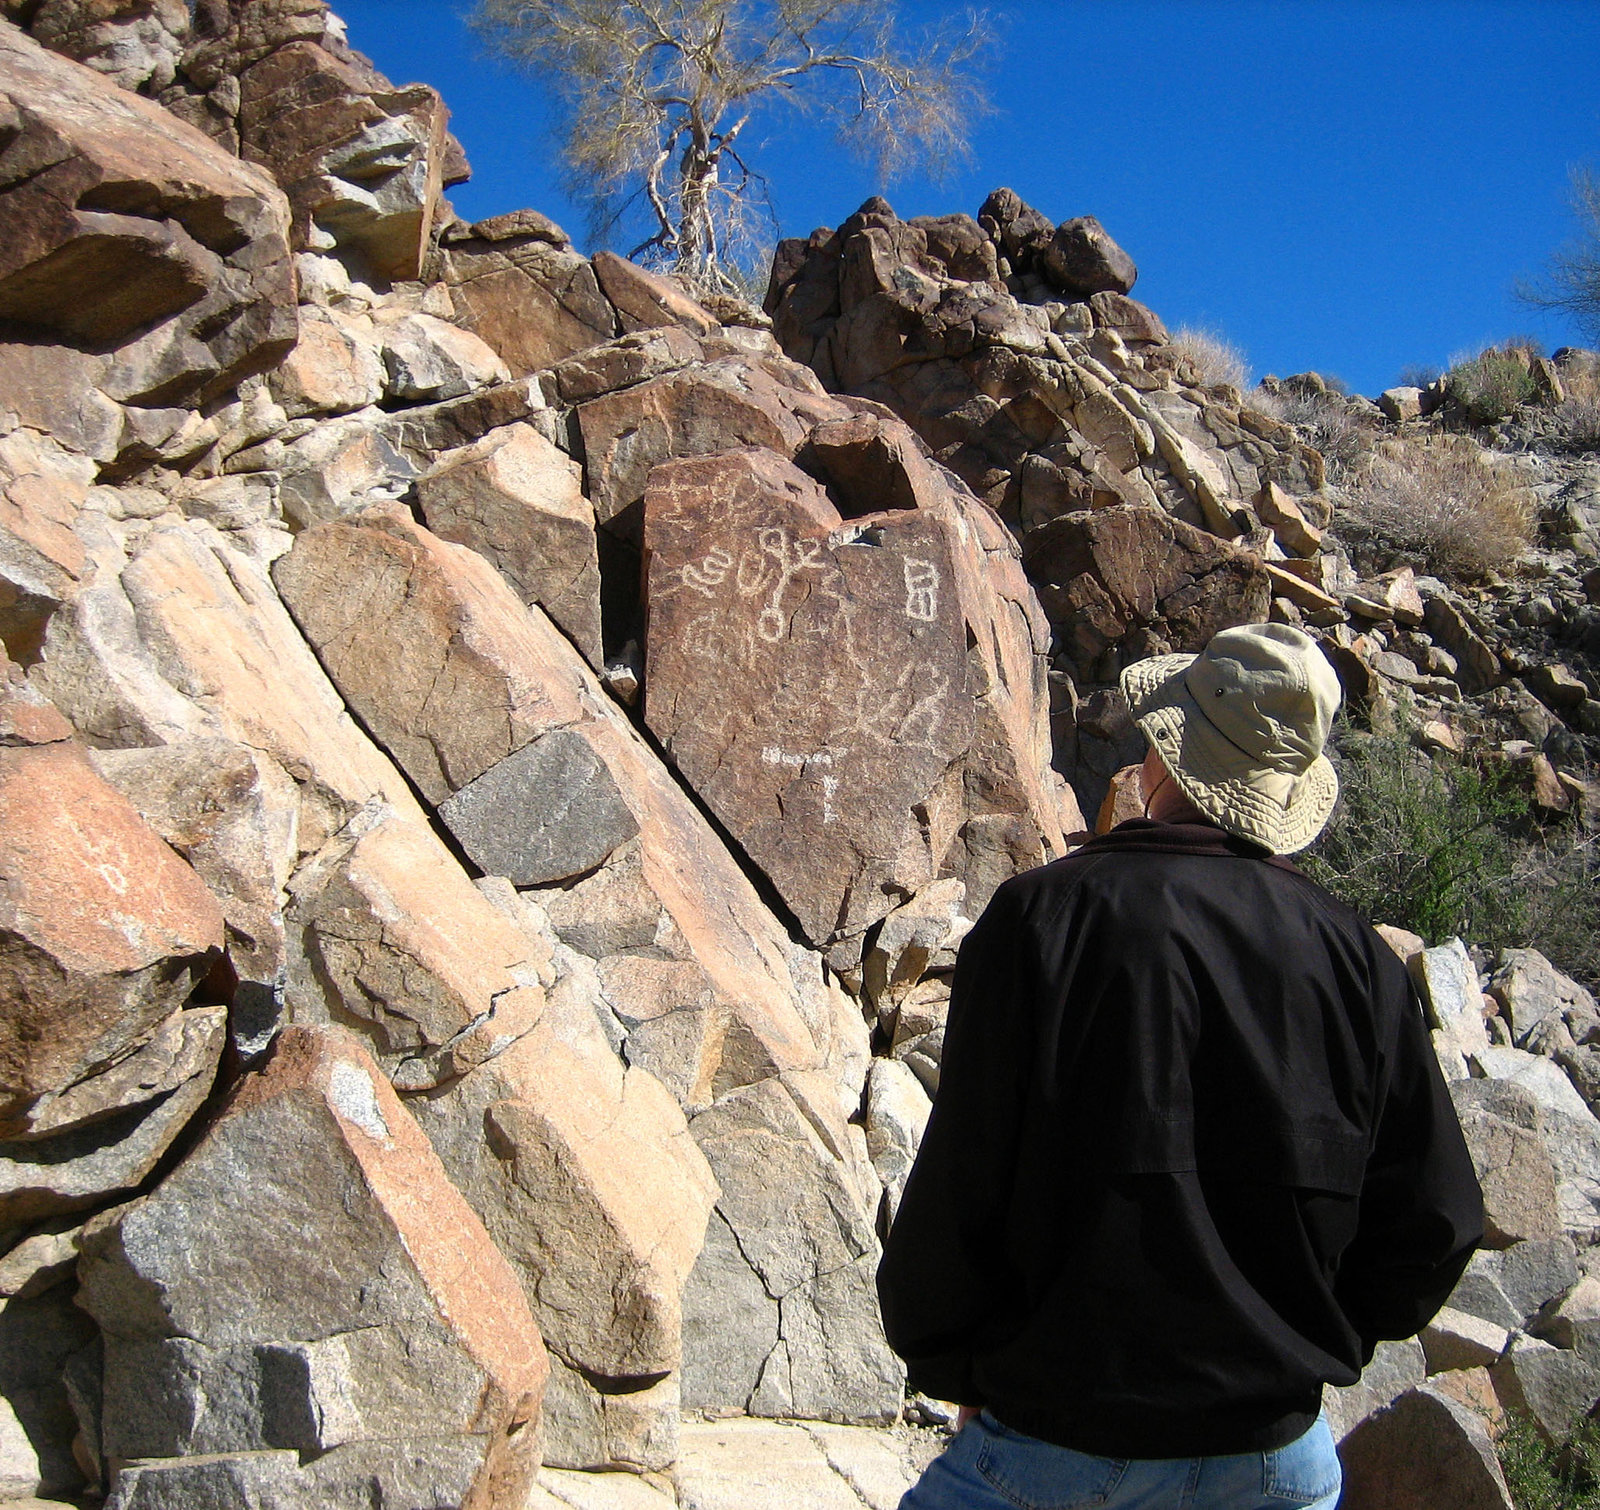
(487, 753)
(497, 759)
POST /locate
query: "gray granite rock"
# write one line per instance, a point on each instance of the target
(548, 811)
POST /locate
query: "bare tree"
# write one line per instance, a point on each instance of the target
(1573, 280)
(659, 98)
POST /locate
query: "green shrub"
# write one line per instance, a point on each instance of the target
(1489, 386)
(1542, 1477)
(1447, 847)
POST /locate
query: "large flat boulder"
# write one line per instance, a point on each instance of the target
(123, 227)
(345, 1294)
(438, 656)
(811, 680)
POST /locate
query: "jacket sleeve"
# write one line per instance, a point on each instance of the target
(1421, 1211)
(943, 1274)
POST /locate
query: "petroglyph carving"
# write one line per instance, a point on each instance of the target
(922, 590)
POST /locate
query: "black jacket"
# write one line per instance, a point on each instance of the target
(1191, 1155)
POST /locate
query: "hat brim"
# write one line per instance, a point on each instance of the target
(1213, 772)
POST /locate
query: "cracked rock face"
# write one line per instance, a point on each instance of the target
(780, 1315)
(387, 934)
(399, 1320)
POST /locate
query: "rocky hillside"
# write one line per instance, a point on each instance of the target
(496, 757)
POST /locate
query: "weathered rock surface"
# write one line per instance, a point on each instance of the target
(188, 638)
(525, 292)
(584, 1173)
(846, 640)
(104, 931)
(1125, 582)
(780, 1314)
(439, 658)
(387, 935)
(1423, 1451)
(514, 498)
(400, 1314)
(127, 228)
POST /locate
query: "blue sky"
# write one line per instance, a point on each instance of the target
(1344, 185)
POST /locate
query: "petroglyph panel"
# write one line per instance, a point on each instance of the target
(808, 677)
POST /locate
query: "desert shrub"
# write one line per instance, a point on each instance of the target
(1449, 847)
(1543, 1477)
(1214, 358)
(1441, 503)
(1325, 423)
(1489, 387)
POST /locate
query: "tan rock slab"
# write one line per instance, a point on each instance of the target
(630, 359)
(386, 931)
(517, 500)
(590, 1184)
(27, 716)
(427, 359)
(1455, 1340)
(1124, 799)
(780, 1314)
(333, 369)
(188, 639)
(103, 929)
(346, 1294)
(436, 654)
(598, 1491)
(1287, 521)
(771, 1466)
(319, 120)
(1304, 595)
(233, 814)
(645, 300)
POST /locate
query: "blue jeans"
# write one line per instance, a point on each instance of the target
(990, 1467)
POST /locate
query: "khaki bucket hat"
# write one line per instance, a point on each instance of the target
(1241, 728)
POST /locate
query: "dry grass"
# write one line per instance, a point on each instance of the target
(1214, 358)
(1440, 502)
(1324, 423)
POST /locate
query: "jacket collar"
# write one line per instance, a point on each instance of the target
(1148, 836)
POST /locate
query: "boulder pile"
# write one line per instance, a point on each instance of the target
(487, 752)
(496, 760)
